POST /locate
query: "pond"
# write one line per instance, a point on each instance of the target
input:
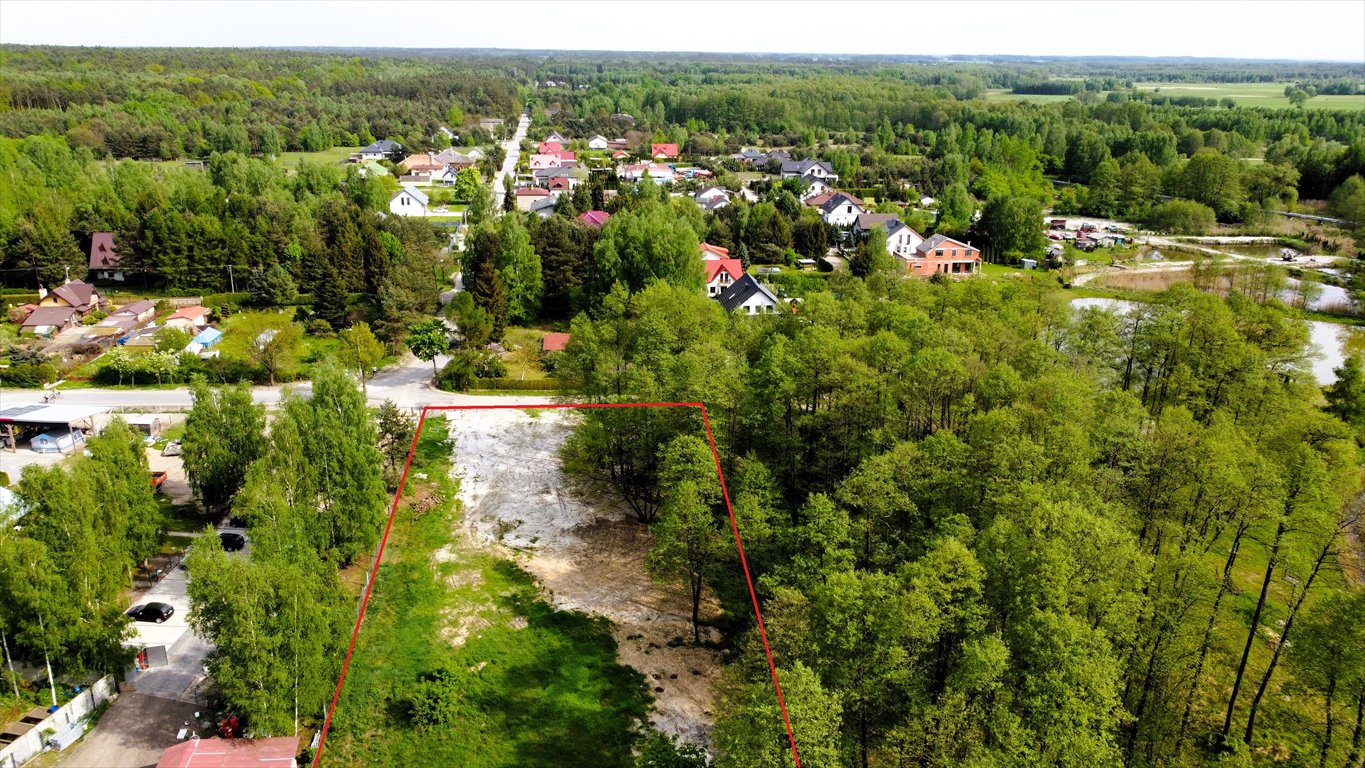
(1333, 342)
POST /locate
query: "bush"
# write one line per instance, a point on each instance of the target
(460, 373)
(435, 699)
(523, 385)
(29, 374)
(318, 327)
(93, 317)
(1181, 217)
(490, 366)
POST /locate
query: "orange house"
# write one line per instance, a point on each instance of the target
(944, 255)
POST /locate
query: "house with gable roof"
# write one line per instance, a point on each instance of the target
(409, 202)
(721, 274)
(105, 263)
(941, 254)
(841, 209)
(748, 296)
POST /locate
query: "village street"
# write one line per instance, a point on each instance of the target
(509, 165)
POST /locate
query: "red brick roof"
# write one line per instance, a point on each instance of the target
(733, 267)
(274, 752)
(724, 253)
(554, 342)
(532, 192)
(550, 147)
(667, 150)
(594, 218)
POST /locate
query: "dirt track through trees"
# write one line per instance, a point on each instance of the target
(587, 554)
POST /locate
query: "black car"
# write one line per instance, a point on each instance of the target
(232, 542)
(157, 612)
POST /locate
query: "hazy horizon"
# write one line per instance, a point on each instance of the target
(1326, 31)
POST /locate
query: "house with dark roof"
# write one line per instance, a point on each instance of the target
(142, 310)
(841, 209)
(77, 294)
(941, 254)
(796, 169)
(545, 207)
(379, 150)
(105, 263)
(748, 296)
(813, 185)
(712, 198)
(49, 321)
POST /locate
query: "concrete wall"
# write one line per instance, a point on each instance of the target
(29, 745)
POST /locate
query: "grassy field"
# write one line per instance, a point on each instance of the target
(533, 686)
(1252, 94)
(333, 156)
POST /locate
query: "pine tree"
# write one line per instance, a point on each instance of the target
(490, 295)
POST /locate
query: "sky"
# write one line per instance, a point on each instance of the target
(1315, 30)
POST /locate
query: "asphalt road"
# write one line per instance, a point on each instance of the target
(408, 385)
(509, 165)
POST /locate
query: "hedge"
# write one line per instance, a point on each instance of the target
(521, 385)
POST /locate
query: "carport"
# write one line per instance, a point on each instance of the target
(37, 419)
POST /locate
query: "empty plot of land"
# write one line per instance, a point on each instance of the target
(585, 552)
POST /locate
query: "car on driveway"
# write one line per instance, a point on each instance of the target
(152, 612)
(232, 542)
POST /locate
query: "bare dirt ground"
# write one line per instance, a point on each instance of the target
(587, 554)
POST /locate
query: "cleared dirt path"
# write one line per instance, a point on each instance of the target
(588, 555)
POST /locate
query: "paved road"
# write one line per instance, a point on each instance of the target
(509, 165)
(408, 385)
(135, 731)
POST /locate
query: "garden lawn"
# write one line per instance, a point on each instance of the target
(334, 156)
(536, 686)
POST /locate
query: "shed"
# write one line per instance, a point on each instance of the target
(554, 342)
(56, 442)
(207, 338)
(1029, 263)
(149, 423)
(39, 418)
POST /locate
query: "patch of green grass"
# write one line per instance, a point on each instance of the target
(1252, 95)
(334, 156)
(182, 518)
(540, 687)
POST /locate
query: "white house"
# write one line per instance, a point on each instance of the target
(712, 198)
(901, 240)
(555, 136)
(599, 142)
(721, 274)
(409, 202)
(796, 169)
(379, 150)
(814, 185)
(544, 161)
(748, 296)
(841, 209)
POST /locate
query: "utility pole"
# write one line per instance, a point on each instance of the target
(232, 281)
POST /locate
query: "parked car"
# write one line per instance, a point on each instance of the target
(172, 449)
(158, 478)
(153, 612)
(232, 542)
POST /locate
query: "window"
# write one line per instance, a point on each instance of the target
(939, 252)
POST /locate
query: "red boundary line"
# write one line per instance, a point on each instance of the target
(734, 526)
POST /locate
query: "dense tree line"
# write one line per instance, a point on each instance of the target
(66, 562)
(172, 103)
(988, 530)
(312, 495)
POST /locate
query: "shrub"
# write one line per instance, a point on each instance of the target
(93, 317)
(435, 699)
(460, 373)
(29, 374)
(523, 385)
(1182, 217)
(171, 339)
(490, 366)
(319, 327)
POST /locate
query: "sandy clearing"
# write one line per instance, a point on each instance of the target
(588, 555)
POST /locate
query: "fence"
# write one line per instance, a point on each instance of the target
(30, 744)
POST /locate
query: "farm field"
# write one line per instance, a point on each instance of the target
(1253, 94)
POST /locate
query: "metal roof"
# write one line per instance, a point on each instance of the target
(49, 414)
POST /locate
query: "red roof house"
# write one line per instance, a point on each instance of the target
(594, 219)
(712, 252)
(567, 157)
(554, 342)
(620, 154)
(550, 147)
(721, 273)
(274, 752)
(663, 150)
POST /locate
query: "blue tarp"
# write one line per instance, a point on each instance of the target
(208, 337)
